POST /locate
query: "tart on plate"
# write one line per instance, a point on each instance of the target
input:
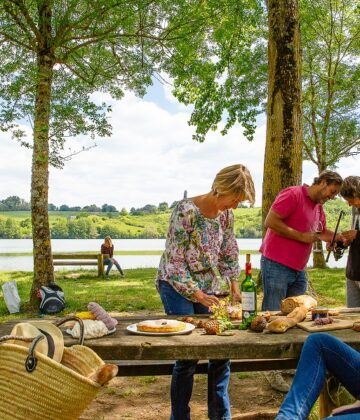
(161, 326)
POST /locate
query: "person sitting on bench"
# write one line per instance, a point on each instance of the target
(107, 248)
(322, 352)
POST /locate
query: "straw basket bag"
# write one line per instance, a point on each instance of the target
(35, 387)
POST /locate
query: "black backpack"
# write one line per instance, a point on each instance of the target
(52, 299)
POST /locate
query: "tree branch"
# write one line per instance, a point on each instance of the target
(72, 154)
(309, 154)
(10, 38)
(30, 22)
(20, 24)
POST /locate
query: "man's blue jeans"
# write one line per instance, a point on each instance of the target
(321, 352)
(183, 372)
(280, 282)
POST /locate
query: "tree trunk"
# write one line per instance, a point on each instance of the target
(43, 265)
(283, 151)
(318, 255)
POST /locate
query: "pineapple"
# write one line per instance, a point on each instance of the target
(258, 323)
(201, 323)
(213, 327)
(216, 326)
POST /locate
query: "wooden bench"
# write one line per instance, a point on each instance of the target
(80, 259)
(165, 367)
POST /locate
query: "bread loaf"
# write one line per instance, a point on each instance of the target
(356, 326)
(283, 323)
(104, 374)
(290, 303)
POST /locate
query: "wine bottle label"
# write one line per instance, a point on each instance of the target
(248, 301)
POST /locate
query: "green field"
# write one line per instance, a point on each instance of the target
(81, 225)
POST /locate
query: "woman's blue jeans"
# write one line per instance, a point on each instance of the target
(280, 282)
(110, 262)
(321, 352)
(183, 372)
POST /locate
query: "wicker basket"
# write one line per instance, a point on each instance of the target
(52, 390)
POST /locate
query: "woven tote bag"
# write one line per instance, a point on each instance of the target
(35, 387)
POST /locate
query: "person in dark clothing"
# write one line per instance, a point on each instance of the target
(107, 248)
(350, 191)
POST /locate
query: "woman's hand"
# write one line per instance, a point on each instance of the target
(204, 299)
(235, 292)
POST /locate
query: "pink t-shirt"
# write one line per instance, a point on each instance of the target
(299, 212)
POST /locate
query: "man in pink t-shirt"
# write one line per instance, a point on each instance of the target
(295, 221)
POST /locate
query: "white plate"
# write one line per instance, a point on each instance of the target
(133, 329)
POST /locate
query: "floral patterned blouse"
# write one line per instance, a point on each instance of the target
(195, 247)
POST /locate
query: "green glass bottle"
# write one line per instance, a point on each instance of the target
(248, 295)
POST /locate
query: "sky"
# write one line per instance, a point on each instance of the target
(150, 158)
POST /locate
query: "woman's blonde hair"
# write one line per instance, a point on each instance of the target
(235, 180)
(351, 187)
(108, 240)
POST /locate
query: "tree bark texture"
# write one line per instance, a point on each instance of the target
(43, 266)
(283, 151)
(318, 255)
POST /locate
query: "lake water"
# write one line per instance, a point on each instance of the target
(25, 263)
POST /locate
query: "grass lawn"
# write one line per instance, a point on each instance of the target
(137, 291)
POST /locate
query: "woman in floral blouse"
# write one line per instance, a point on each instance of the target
(199, 242)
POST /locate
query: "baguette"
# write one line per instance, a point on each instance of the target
(283, 323)
(104, 374)
(290, 303)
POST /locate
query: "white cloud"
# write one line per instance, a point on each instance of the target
(150, 158)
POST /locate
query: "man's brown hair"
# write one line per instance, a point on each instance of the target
(330, 177)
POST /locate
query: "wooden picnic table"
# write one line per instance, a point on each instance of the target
(243, 345)
(154, 355)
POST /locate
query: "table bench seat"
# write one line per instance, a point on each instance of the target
(165, 367)
(65, 259)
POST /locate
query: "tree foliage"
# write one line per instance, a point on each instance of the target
(14, 203)
(106, 46)
(222, 70)
(331, 80)
(55, 55)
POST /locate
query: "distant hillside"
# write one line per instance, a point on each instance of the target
(82, 225)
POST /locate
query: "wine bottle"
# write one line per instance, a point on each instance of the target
(248, 295)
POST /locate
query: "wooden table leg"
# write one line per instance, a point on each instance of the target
(325, 404)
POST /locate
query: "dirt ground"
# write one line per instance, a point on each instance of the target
(147, 398)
